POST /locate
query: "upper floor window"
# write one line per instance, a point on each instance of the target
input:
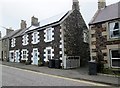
(25, 39)
(35, 38)
(13, 42)
(85, 36)
(114, 28)
(49, 34)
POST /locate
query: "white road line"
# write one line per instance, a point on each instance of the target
(75, 80)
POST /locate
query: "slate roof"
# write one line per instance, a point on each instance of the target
(110, 12)
(52, 20)
(11, 34)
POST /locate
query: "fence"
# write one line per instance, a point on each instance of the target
(72, 62)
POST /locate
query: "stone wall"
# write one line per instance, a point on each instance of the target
(99, 34)
(73, 37)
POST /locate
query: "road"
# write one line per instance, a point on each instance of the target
(18, 77)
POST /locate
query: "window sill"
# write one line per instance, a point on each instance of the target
(113, 39)
(48, 41)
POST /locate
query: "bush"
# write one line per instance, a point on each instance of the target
(28, 62)
(40, 63)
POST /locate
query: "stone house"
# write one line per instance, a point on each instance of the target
(6, 41)
(62, 37)
(105, 35)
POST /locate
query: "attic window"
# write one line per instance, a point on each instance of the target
(114, 29)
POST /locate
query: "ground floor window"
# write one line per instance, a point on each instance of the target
(49, 56)
(24, 54)
(115, 58)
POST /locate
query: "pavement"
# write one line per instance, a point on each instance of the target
(78, 73)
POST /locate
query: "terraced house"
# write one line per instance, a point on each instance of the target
(105, 35)
(63, 37)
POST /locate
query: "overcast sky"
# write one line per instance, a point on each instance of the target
(13, 11)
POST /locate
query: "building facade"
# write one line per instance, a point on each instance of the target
(61, 37)
(105, 35)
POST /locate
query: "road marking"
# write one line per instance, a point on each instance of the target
(60, 77)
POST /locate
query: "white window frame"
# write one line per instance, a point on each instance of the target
(49, 34)
(25, 39)
(113, 58)
(35, 37)
(13, 42)
(111, 29)
(46, 53)
(24, 50)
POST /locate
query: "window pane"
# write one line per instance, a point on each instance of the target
(115, 54)
(48, 34)
(49, 51)
(116, 33)
(116, 62)
(116, 26)
(111, 26)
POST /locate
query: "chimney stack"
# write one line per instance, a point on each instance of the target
(101, 4)
(34, 21)
(8, 31)
(23, 24)
(75, 5)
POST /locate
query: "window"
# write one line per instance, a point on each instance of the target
(24, 54)
(49, 54)
(35, 38)
(85, 36)
(114, 29)
(115, 58)
(49, 34)
(13, 42)
(25, 39)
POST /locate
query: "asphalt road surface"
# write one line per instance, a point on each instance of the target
(18, 77)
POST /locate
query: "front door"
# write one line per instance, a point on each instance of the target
(17, 57)
(35, 57)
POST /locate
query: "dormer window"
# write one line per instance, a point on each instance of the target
(49, 34)
(25, 39)
(114, 28)
(13, 42)
(35, 38)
